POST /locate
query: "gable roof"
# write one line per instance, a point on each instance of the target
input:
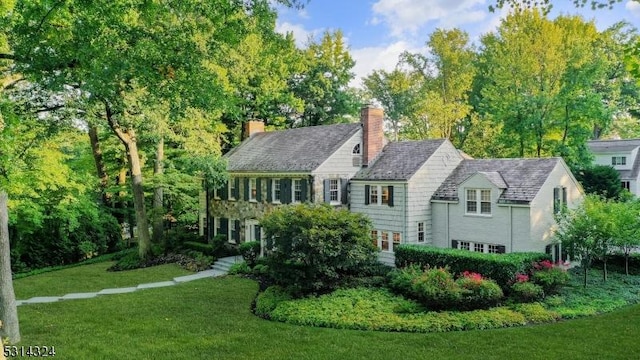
(399, 160)
(522, 178)
(294, 150)
(495, 178)
(609, 146)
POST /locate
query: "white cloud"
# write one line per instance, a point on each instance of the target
(300, 34)
(408, 16)
(379, 58)
(633, 7)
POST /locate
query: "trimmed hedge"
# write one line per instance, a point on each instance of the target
(206, 249)
(502, 268)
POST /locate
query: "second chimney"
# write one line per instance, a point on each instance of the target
(252, 127)
(372, 133)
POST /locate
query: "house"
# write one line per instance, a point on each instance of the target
(395, 189)
(622, 155)
(503, 205)
(414, 192)
(310, 164)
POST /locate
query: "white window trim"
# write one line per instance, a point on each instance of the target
(231, 228)
(253, 185)
(357, 149)
(619, 160)
(274, 199)
(420, 232)
(337, 192)
(485, 247)
(478, 201)
(293, 191)
(230, 188)
(216, 193)
(378, 189)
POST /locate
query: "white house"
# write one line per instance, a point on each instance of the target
(622, 155)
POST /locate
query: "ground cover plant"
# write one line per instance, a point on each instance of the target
(211, 318)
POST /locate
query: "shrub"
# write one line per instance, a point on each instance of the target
(551, 278)
(536, 313)
(241, 268)
(129, 261)
(478, 292)
(436, 289)
(250, 250)
(312, 247)
(269, 299)
(502, 268)
(526, 292)
(206, 249)
(260, 270)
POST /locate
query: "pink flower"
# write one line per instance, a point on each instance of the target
(522, 277)
(472, 276)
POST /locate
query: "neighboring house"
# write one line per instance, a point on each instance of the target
(622, 155)
(310, 164)
(394, 191)
(503, 205)
(414, 192)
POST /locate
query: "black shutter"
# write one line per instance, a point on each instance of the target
(224, 227)
(224, 195)
(269, 190)
(236, 194)
(547, 249)
(502, 249)
(237, 227)
(285, 191)
(258, 189)
(327, 190)
(454, 244)
(344, 191)
(391, 196)
(564, 196)
(304, 190)
(367, 191)
(258, 232)
(246, 189)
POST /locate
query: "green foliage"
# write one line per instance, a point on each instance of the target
(478, 292)
(269, 299)
(311, 247)
(536, 313)
(550, 279)
(526, 291)
(204, 248)
(250, 250)
(241, 268)
(128, 262)
(501, 268)
(602, 180)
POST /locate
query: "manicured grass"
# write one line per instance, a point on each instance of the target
(211, 319)
(89, 278)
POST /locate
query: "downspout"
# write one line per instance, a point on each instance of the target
(404, 210)
(207, 215)
(447, 234)
(511, 228)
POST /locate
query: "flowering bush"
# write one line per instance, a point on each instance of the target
(520, 278)
(550, 277)
(525, 291)
(478, 292)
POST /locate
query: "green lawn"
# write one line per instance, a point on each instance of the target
(91, 278)
(211, 319)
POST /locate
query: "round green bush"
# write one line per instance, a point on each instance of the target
(478, 293)
(551, 279)
(525, 292)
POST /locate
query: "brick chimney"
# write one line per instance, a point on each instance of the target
(252, 127)
(372, 133)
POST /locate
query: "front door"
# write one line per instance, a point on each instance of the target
(253, 232)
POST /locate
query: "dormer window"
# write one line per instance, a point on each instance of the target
(618, 160)
(356, 150)
(478, 202)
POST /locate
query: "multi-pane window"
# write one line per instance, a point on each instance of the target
(626, 185)
(275, 188)
(420, 232)
(478, 201)
(233, 234)
(478, 247)
(297, 190)
(216, 193)
(385, 195)
(232, 189)
(618, 160)
(385, 241)
(334, 190)
(396, 239)
(464, 245)
(493, 249)
(253, 189)
(374, 237)
(373, 195)
(356, 150)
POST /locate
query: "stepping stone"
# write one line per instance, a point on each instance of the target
(117, 291)
(79, 296)
(41, 300)
(156, 284)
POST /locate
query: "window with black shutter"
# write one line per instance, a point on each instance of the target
(344, 191)
(326, 190)
(367, 193)
(237, 231)
(224, 228)
(391, 196)
(270, 190)
(258, 190)
(454, 244)
(236, 193)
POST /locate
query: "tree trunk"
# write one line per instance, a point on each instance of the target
(100, 166)
(626, 263)
(158, 194)
(604, 270)
(8, 307)
(584, 267)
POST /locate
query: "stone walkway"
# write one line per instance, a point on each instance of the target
(217, 271)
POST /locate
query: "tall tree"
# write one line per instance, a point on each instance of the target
(323, 84)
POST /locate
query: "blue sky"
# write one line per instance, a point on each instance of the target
(377, 31)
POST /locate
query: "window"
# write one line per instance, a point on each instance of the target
(233, 231)
(478, 201)
(464, 245)
(232, 189)
(478, 247)
(216, 193)
(334, 190)
(420, 232)
(297, 190)
(626, 185)
(385, 241)
(253, 189)
(275, 190)
(618, 160)
(373, 195)
(396, 239)
(374, 237)
(559, 199)
(385, 195)
(493, 249)
(356, 150)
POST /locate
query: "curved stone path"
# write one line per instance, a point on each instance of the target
(221, 267)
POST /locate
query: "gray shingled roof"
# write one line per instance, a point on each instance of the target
(293, 150)
(608, 146)
(523, 177)
(399, 160)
